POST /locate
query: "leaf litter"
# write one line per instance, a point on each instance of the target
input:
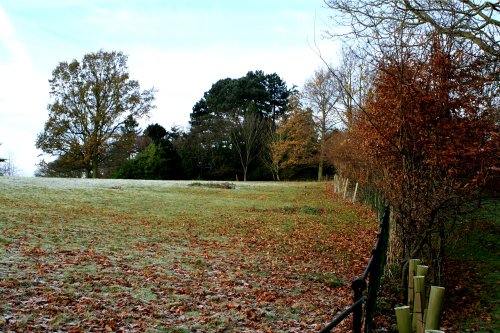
(77, 267)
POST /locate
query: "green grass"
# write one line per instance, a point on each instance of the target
(477, 257)
(156, 256)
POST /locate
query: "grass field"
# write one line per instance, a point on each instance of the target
(154, 256)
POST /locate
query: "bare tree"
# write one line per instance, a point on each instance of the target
(469, 21)
(321, 95)
(377, 30)
(8, 167)
(248, 134)
(353, 84)
(2, 159)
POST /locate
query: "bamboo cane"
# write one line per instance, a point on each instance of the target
(435, 308)
(422, 270)
(403, 319)
(411, 273)
(419, 301)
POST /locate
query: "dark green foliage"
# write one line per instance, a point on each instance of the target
(305, 172)
(148, 164)
(159, 160)
(124, 145)
(229, 138)
(204, 156)
(156, 133)
(230, 125)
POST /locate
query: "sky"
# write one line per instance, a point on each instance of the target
(179, 47)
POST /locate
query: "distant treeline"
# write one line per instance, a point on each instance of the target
(249, 128)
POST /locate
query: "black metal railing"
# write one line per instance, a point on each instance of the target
(363, 307)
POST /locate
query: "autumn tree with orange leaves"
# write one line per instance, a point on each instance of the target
(429, 140)
(94, 104)
(294, 143)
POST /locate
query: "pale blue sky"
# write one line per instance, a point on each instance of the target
(180, 47)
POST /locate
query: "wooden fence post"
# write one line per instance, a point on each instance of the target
(355, 191)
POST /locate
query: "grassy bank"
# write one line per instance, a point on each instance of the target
(473, 273)
(155, 256)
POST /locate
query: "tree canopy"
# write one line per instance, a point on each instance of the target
(428, 138)
(425, 133)
(91, 102)
(321, 95)
(474, 21)
(294, 144)
(234, 117)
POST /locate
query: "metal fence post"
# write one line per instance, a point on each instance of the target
(358, 287)
(379, 255)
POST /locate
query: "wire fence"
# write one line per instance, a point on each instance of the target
(351, 190)
(365, 287)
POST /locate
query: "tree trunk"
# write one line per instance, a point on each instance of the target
(94, 168)
(320, 169)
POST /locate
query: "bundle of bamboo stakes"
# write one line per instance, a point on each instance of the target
(419, 316)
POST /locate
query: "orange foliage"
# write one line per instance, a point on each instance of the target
(428, 138)
(295, 141)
